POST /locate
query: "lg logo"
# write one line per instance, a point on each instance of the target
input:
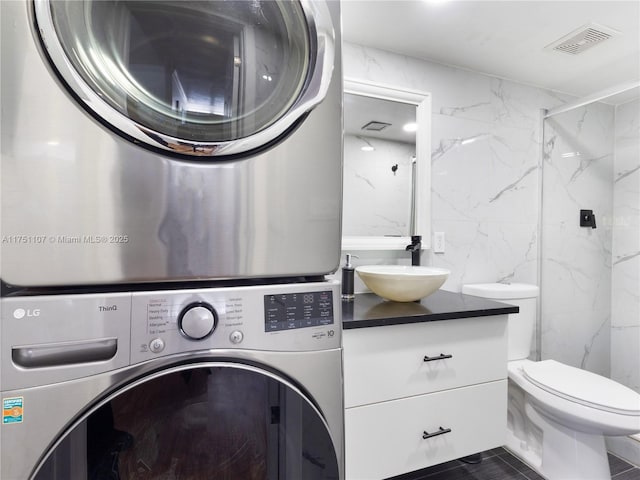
(19, 313)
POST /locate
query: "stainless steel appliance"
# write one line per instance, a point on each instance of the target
(240, 383)
(158, 141)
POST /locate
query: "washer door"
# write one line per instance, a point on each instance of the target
(200, 421)
(196, 78)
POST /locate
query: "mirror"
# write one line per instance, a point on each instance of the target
(386, 185)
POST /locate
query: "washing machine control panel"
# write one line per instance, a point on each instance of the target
(287, 311)
(286, 317)
(89, 334)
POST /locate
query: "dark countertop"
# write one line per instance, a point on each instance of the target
(370, 310)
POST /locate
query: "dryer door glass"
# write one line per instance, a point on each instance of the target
(222, 421)
(194, 77)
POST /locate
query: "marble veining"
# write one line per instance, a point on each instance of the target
(626, 258)
(624, 174)
(584, 364)
(454, 111)
(513, 185)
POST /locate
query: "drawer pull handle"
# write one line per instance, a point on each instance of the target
(441, 431)
(442, 356)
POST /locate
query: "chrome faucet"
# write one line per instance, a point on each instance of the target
(415, 248)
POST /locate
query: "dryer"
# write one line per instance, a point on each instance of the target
(239, 383)
(158, 141)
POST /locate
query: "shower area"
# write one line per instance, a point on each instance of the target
(590, 241)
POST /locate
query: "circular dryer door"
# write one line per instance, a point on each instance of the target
(201, 421)
(196, 78)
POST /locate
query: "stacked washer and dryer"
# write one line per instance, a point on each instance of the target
(171, 197)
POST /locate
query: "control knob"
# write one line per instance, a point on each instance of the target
(197, 321)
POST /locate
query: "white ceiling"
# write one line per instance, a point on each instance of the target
(506, 38)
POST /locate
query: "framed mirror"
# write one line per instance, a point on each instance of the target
(387, 167)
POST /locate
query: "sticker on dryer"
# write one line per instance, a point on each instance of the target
(12, 410)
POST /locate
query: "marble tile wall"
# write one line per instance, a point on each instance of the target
(625, 291)
(576, 261)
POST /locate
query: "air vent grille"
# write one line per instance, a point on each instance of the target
(582, 39)
(375, 126)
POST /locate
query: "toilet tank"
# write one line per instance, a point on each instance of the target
(520, 325)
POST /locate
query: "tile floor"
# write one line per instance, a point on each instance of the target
(498, 464)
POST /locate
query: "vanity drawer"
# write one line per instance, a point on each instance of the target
(384, 363)
(386, 439)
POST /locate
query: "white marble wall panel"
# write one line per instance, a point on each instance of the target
(475, 252)
(576, 270)
(576, 261)
(483, 172)
(580, 338)
(625, 352)
(625, 289)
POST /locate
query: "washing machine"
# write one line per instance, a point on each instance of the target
(169, 141)
(225, 383)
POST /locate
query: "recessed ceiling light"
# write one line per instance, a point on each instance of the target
(410, 127)
(367, 147)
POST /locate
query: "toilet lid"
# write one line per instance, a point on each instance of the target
(583, 387)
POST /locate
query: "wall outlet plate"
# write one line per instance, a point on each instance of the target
(438, 242)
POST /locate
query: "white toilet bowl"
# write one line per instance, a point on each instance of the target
(558, 415)
(558, 421)
(579, 399)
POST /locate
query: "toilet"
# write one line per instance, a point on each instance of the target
(558, 415)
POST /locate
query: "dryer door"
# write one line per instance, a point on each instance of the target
(195, 78)
(199, 421)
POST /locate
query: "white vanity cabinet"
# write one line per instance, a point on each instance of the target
(419, 394)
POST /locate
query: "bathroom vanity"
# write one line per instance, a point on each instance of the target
(425, 382)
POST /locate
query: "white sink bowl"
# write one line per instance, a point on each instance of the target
(402, 283)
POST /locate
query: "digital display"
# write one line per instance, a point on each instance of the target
(289, 311)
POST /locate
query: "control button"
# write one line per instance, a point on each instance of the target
(156, 345)
(197, 321)
(236, 336)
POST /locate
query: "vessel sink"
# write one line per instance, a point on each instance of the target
(402, 283)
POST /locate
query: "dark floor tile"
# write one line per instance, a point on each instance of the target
(633, 474)
(532, 475)
(421, 474)
(500, 464)
(617, 465)
(520, 466)
(491, 468)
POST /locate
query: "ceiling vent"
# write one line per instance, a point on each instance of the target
(582, 39)
(376, 126)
